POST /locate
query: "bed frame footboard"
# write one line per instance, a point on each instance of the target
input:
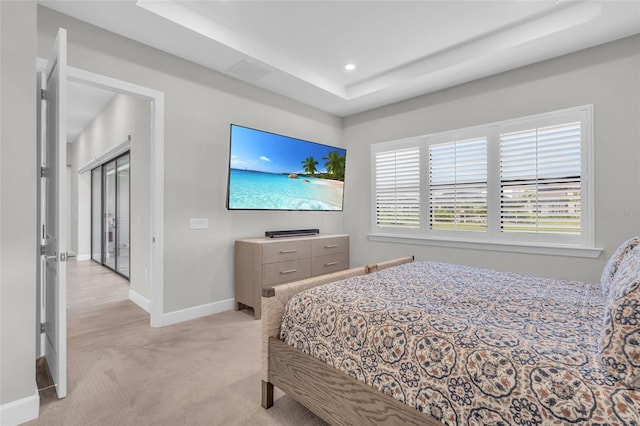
(336, 397)
(331, 394)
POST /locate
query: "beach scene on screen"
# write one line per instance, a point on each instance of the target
(274, 172)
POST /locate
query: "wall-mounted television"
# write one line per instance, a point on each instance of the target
(268, 171)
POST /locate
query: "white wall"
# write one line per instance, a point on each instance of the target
(123, 116)
(607, 76)
(199, 106)
(18, 235)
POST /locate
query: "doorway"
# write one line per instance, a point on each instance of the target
(111, 215)
(155, 172)
(155, 248)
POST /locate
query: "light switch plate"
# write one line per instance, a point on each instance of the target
(198, 223)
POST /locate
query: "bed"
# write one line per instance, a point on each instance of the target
(405, 342)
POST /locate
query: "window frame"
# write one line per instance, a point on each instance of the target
(576, 245)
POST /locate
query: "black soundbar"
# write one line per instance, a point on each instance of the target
(291, 233)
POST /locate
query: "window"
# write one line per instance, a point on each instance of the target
(540, 180)
(519, 182)
(397, 188)
(458, 185)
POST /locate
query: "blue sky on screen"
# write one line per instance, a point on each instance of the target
(267, 152)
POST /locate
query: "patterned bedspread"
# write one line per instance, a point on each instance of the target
(467, 345)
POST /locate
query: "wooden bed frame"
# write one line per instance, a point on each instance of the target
(336, 397)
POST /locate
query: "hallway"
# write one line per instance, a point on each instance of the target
(123, 372)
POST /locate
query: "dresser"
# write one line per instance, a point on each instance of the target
(263, 262)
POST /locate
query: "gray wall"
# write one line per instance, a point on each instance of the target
(607, 76)
(199, 106)
(18, 235)
(123, 116)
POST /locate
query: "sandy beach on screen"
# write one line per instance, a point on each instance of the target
(329, 182)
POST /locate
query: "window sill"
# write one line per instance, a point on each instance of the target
(548, 249)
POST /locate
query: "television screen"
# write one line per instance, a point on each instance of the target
(274, 172)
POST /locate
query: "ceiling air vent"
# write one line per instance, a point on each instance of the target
(247, 71)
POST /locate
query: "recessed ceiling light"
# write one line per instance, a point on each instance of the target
(350, 67)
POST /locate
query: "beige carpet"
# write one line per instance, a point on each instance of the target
(122, 372)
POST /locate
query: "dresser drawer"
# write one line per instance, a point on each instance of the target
(329, 263)
(282, 272)
(285, 250)
(333, 245)
(262, 262)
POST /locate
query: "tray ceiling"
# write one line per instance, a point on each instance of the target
(401, 49)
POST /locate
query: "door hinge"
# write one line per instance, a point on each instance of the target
(43, 250)
(43, 94)
(43, 172)
(41, 328)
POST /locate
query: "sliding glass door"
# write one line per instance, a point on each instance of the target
(109, 203)
(122, 215)
(110, 236)
(96, 214)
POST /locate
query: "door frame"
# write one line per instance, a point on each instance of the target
(156, 178)
(156, 174)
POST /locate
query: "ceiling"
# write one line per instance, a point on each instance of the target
(401, 49)
(83, 104)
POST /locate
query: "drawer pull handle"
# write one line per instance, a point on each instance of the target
(330, 263)
(288, 251)
(288, 271)
(331, 246)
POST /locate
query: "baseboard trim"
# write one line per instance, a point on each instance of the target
(83, 257)
(140, 300)
(187, 314)
(20, 411)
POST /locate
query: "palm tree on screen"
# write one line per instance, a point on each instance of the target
(335, 164)
(309, 165)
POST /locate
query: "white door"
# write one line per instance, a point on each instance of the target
(54, 207)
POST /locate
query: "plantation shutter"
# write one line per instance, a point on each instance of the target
(458, 185)
(397, 188)
(540, 174)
